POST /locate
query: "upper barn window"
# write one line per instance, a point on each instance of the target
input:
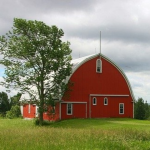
(105, 101)
(98, 66)
(94, 101)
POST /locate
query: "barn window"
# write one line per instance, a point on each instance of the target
(29, 108)
(105, 101)
(121, 108)
(69, 109)
(98, 66)
(94, 101)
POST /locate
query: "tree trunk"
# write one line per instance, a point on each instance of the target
(41, 103)
(41, 117)
(41, 111)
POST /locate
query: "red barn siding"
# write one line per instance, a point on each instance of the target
(46, 115)
(78, 111)
(26, 113)
(110, 82)
(52, 116)
(112, 109)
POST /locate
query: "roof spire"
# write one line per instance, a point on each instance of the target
(100, 46)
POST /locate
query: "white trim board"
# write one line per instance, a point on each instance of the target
(109, 95)
(75, 102)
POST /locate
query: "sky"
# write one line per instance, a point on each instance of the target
(124, 26)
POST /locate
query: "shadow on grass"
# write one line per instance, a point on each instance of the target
(89, 123)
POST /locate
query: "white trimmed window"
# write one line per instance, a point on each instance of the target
(121, 108)
(69, 109)
(105, 101)
(98, 66)
(29, 108)
(94, 101)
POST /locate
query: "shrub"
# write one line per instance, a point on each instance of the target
(14, 112)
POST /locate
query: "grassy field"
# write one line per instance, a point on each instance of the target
(75, 134)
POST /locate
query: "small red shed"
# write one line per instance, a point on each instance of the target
(100, 90)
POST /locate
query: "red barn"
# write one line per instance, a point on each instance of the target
(100, 90)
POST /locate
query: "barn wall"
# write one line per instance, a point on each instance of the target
(110, 82)
(112, 109)
(78, 111)
(26, 113)
(46, 115)
(52, 116)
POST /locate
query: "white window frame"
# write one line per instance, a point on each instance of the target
(37, 111)
(69, 108)
(106, 101)
(94, 102)
(120, 108)
(29, 109)
(99, 64)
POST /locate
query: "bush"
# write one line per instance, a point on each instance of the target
(14, 112)
(36, 121)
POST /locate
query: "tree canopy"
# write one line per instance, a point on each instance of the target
(141, 109)
(4, 103)
(36, 60)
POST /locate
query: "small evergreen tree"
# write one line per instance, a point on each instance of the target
(147, 110)
(139, 109)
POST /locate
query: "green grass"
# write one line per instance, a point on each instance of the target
(75, 134)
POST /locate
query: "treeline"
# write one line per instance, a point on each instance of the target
(9, 107)
(141, 109)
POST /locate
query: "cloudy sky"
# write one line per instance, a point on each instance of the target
(124, 25)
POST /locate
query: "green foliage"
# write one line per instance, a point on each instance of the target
(44, 123)
(36, 60)
(141, 109)
(147, 110)
(15, 100)
(4, 103)
(14, 112)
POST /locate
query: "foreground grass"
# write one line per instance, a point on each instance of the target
(75, 134)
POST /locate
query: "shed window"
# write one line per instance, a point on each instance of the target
(94, 101)
(105, 101)
(121, 108)
(98, 66)
(69, 109)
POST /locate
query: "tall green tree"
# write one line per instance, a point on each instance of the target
(36, 61)
(4, 103)
(147, 110)
(139, 109)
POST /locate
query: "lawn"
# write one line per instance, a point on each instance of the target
(75, 134)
